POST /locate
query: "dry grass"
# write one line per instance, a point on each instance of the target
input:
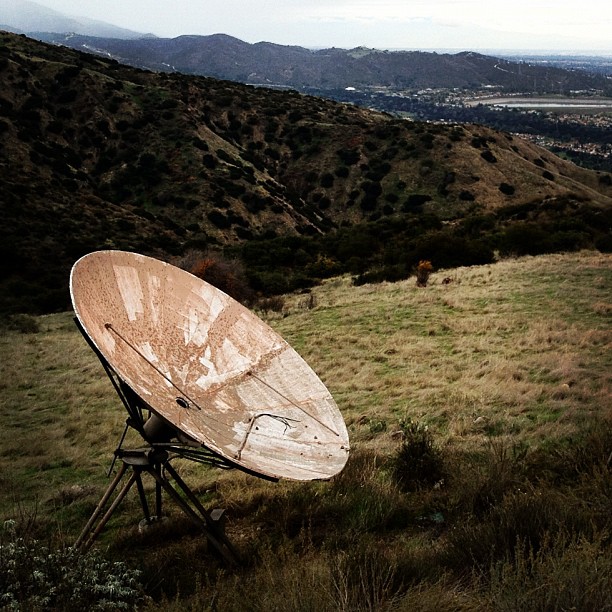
(509, 368)
(517, 348)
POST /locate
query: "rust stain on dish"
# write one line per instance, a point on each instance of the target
(243, 391)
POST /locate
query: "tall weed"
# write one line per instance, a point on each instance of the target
(564, 573)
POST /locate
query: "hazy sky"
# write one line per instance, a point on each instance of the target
(477, 24)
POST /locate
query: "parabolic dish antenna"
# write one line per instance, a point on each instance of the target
(209, 367)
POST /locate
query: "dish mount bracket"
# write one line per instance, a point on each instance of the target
(154, 460)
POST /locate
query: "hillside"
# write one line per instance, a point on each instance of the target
(226, 57)
(479, 414)
(94, 155)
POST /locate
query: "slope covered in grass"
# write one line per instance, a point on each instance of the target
(491, 391)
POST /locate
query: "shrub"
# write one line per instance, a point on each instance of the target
(36, 577)
(478, 141)
(488, 156)
(217, 218)
(415, 200)
(327, 180)
(604, 243)
(227, 275)
(342, 172)
(67, 96)
(524, 239)
(417, 462)
(424, 269)
(349, 157)
(274, 303)
(308, 302)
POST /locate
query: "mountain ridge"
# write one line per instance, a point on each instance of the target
(264, 63)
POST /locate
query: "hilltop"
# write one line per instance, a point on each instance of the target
(94, 154)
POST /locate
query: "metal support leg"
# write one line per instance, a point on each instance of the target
(215, 521)
(146, 461)
(143, 497)
(100, 507)
(226, 551)
(86, 545)
(158, 493)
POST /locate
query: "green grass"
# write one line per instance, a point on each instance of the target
(503, 504)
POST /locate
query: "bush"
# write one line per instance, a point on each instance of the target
(209, 161)
(217, 218)
(418, 462)
(604, 243)
(524, 239)
(424, 269)
(227, 275)
(488, 156)
(327, 180)
(36, 577)
(274, 303)
(349, 157)
(342, 172)
(415, 200)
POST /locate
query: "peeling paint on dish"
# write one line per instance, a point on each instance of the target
(244, 392)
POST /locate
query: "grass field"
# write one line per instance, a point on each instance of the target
(480, 417)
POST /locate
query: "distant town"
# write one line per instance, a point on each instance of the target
(575, 126)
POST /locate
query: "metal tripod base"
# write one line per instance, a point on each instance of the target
(155, 462)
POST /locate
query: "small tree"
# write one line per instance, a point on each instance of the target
(424, 269)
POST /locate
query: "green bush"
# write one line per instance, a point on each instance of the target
(488, 156)
(217, 218)
(418, 462)
(349, 157)
(525, 239)
(37, 577)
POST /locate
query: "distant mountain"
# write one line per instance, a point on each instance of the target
(263, 63)
(94, 154)
(24, 16)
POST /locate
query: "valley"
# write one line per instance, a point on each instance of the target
(577, 127)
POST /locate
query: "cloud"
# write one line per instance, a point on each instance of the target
(386, 23)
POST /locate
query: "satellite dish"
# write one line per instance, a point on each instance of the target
(208, 367)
